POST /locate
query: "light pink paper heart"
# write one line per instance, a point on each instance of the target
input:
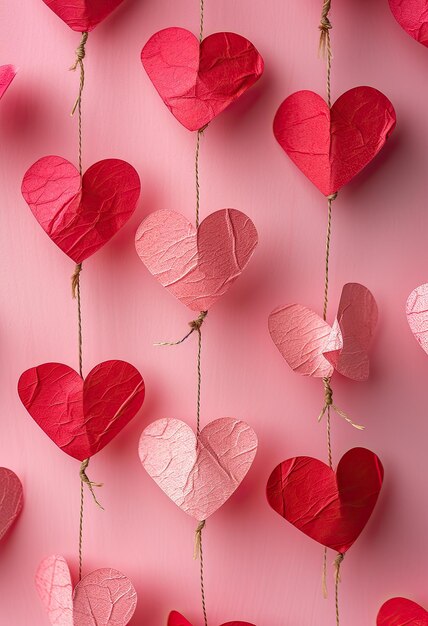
(104, 597)
(417, 315)
(11, 499)
(196, 266)
(198, 475)
(312, 347)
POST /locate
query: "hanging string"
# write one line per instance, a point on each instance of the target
(201, 27)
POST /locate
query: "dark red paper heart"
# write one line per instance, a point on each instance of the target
(412, 15)
(81, 215)
(176, 619)
(197, 81)
(332, 146)
(11, 500)
(332, 508)
(83, 15)
(82, 416)
(402, 612)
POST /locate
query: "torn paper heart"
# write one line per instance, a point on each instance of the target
(81, 215)
(11, 499)
(103, 598)
(412, 15)
(196, 266)
(402, 612)
(198, 81)
(199, 475)
(417, 315)
(83, 15)
(312, 347)
(332, 508)
(176, 619)
(331, 146)
(7, 74)
(82, 416)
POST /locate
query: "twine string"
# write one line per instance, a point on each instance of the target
(75, 290)
(337, 564)
(195, 325)
(329, 404)
(80, 55)
(84, 480)
(325, 43)
(198, 553)
(201, 21)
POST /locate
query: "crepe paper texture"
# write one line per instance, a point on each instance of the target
(197, 81)
(83, 15)
(312, 347)
(331, 146)
(104, 597)
(412, 15)
(402, 612)
(176, 619)
(79, 214)
(7, 74)
(198, 474)
(196, 265)
(82, 415)
(329, 507)
(11, 500)
(417, 315)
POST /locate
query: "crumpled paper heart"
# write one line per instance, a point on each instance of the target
(199, 475)
(104, 597)
(176, 619)
(11, 499)
(198, 81)
(331, 146)
(83, 15)
(7, 74)
(412, 15)
(82, 416)
(402, 612)
(331, 508)
(81, 215)
(196, 266)
(417, 315)
(312, 347)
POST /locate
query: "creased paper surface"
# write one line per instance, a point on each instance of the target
(53, 584)
(11, 499)
(402, 612)
(7, 74)
(176, 619)
(417, 315)
(82, 15)
(412, 15)
(198, 475)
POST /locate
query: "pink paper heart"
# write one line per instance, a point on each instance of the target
(197, 81)
(196, 266)
(412, 15)
(417, 315)
(104, 597)
(81, 215)
(11, 500)
(312, 347)
(7, 74)
(402, 612)
(331, 146)
(199, 475)
(83, 15)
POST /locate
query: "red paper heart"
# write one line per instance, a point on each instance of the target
(80, 216)
(82, 416)
(412, 15)
(332, 146)
(332, 508)
(7, 74)
(198, 81)
(402, 612)
(11, 499)
(196, 266)
(83, 15)
(176, 619)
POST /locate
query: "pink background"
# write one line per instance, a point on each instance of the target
(258, 568)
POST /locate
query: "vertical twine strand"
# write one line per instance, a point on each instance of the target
(198, 146)
(84, 480)
(201, 22)
(337, 564)
(325, 43)
(80, 55)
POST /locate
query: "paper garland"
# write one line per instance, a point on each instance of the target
(176, 619)
(401, 612)
(412, 15)
(83, 15)
(11, 500)
(7, 74)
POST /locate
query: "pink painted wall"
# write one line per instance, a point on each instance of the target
(258, 568)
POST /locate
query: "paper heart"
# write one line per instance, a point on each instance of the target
(83, 15)
(197, 81)
(81, 215)
(196, 266)
(103, 598)
(412, 15)
(332, 508)
(11, 499)
(312, 347)
(417, 315)
(82, 416)
(176, 619)
(402, 612)
(7, 74)
(199, 475)
(331, 146)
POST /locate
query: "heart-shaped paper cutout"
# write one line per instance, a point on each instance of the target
(81, 215)
(417, 315)
(82, 416)
(11, 499)
(312, 347)
(7, 74)
(196, 265)
(83, 15)
(103, 598)
(402, 612)
(412, 15)
(330, 507)
(199, 475)
(176, 619)
(198, 81)
(332, 146)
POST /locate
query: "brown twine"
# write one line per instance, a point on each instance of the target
(195, 325)
(325, 43)
(198, 553)
(198, 537)
(75, 289)
(84, 480)
(328, 403)
(337, 563)
(201, 23)
(80, 55)
(198, 148)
